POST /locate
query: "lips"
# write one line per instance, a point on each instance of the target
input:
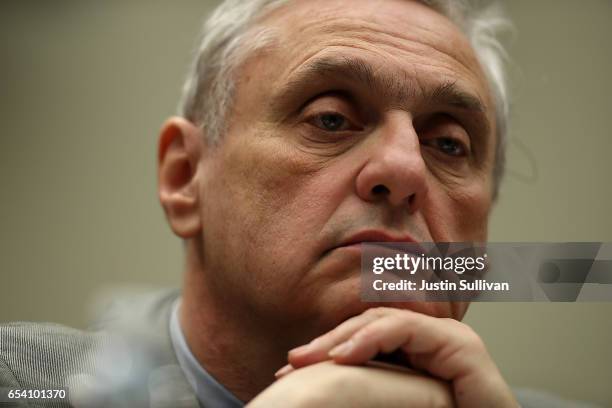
(366, 236)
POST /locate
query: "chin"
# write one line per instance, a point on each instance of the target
(352, 305)
(454, 310)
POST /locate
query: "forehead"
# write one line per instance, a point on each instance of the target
(402, 40)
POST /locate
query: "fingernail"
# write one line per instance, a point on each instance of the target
(300, 350)
(342, 349)
(283, 371)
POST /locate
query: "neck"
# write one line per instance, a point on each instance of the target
(236, 347)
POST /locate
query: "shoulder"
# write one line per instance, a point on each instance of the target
(48, 354)
(42, 354)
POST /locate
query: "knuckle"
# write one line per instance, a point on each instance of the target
(472, 338)
(377, 312)
(367, 333)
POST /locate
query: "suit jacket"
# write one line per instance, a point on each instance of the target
(125, 360)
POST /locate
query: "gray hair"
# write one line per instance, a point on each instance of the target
(227, 41)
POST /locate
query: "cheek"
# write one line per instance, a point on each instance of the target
(471, 209)
(267, 211)
(269, 205)
(460, 214)
(275, 193)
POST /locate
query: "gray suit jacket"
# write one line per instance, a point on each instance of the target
(125, 360)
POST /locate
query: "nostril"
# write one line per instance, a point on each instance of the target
(380, 190)
(411, 200)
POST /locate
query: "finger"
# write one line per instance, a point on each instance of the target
(283, 371)
(446, 348)
(384, 335)
(318, 349)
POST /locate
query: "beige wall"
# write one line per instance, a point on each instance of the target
(85, 86)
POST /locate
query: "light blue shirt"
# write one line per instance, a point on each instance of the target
(209, 391)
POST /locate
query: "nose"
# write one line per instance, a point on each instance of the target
(395, 170)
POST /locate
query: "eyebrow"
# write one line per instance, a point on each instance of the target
(397, 87)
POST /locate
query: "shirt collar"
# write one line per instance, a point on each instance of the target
(209, 391)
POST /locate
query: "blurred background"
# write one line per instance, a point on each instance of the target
(86, 85)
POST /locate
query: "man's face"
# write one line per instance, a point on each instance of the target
(364, 117)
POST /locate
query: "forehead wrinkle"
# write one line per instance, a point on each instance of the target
(370, 40)
(416, 40)
(428, 58)
(358, 71)
(449, 91)
(401, 90)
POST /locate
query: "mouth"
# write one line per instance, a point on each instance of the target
(354, 241)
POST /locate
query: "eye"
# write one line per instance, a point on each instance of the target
(331, 122)
(448, 146)
(445, 136)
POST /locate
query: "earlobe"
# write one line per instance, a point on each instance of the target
(179, 152)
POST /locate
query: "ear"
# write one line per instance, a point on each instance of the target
(179, 151)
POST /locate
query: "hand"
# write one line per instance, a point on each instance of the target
(444, 348)
(328, 384)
